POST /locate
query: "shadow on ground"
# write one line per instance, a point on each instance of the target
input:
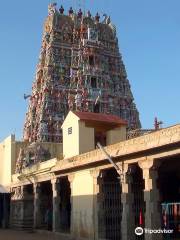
(22, 235)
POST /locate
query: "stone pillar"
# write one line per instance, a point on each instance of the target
(56, 202)
(151, 198)
(37, 213)
(127, 198)
(95, 174)
(17, 207)
(21, 215)
(101, 228)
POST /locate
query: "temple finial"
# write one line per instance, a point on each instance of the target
(61, 10)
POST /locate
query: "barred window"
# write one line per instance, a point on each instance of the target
(69, 130)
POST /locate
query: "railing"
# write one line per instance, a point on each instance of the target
(171, 219)
(109, 215)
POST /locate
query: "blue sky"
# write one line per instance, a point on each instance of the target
(149, 40)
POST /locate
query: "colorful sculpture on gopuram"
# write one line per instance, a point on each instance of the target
(80, 68)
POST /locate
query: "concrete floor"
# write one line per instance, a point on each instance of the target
(9, 234)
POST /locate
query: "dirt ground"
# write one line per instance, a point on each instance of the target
(9, 234)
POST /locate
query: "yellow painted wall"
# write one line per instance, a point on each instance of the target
(81, 140)
(7, 158)
(71, 141)
(9, 152)
(86, 138)
(116, 135)
(82, 205)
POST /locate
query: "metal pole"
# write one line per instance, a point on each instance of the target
(118, 170)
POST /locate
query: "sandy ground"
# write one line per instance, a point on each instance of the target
(20, 235)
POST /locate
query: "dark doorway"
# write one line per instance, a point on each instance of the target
(1, 210)
(28, 206)
(4, 210)
(169, 186)
(169, 180)
(93, 82)
(100, 137)
(91, 60)
(135, 172)
(109, 199)
(46, 208)
(65, 205)
(97, 108)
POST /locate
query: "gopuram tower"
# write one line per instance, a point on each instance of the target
(80, 68)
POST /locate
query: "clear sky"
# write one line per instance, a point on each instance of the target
(149, 39)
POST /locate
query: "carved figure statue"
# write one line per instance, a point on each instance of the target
(51, 8)
(71, 11)
(97, 17)
(113, 27)
(61, 10)
(107, 19)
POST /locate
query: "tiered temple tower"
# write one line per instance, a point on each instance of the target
(80, 68)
